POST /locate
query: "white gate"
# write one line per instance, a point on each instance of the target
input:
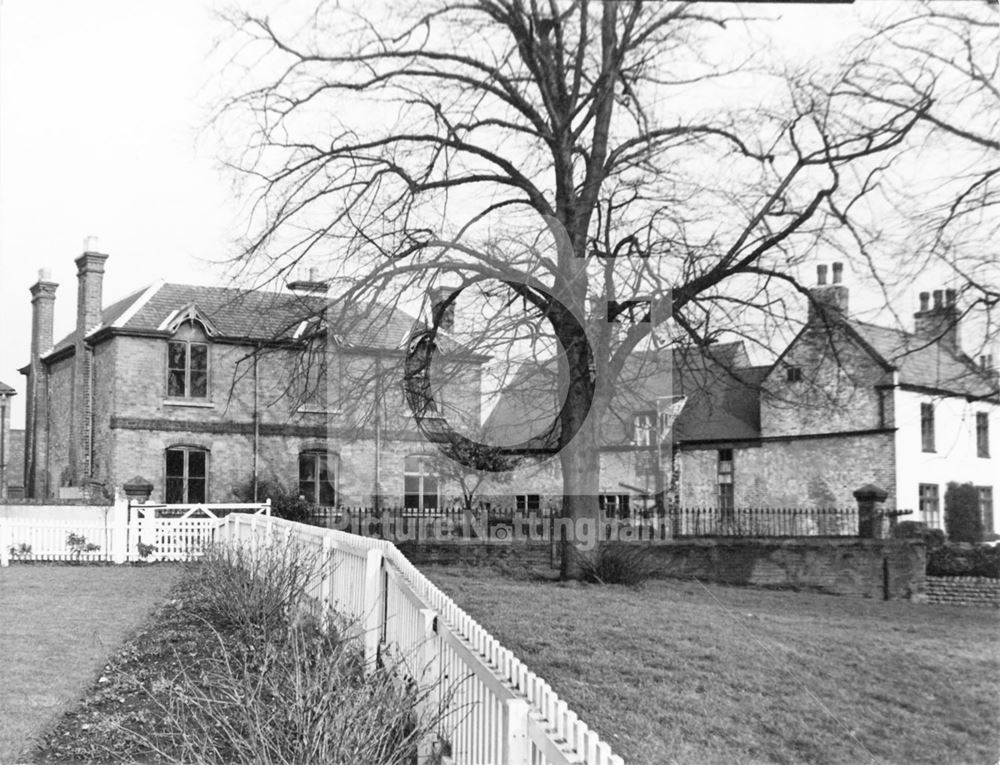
(179, 532)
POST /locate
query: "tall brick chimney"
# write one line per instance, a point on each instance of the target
(445, 315)
(43, 303)
(938, 322)
(828, 301)
(90, 282)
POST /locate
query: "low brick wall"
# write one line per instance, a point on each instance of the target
(963, 591)
(870, 568)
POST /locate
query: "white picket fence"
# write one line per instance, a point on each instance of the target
(498, 712)
(172, 532)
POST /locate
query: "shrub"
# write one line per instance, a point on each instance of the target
(933, 538)
(78, 545)
(20, 551)
(963, 559)
(252, 591)
(284, 503)
(618, 564)
(962, 519)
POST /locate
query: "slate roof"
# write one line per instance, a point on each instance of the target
(255, 315)
(6, 390)
(722, 400)
(927, 365)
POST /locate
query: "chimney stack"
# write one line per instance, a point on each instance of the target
(43, 299)
(938, 322)
(90, 283)
(443, 315)
(311, 284)
(828, 302)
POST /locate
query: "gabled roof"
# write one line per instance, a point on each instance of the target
(721, 401)
(926, 364)
(6, 390)
(254, 315)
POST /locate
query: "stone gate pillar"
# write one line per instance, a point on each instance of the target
(871, 516)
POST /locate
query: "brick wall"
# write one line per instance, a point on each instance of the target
(963, 591)
(521, 554)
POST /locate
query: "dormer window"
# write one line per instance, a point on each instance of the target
(187, 362)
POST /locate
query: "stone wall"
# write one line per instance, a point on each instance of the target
(963, 591)
(522, 554)
(861, 567)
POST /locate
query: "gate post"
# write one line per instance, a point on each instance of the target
(371, 619)
(516, 744)
(429, 678)
(119, 528)
(870, 514)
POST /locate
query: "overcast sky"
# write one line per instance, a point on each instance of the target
(100, 108)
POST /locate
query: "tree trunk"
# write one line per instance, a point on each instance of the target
(581, 472)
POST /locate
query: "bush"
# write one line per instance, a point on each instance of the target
(284, 503)
(962, 519)
(618, 564)
(251, 591)
(933, 538)
(963, 559)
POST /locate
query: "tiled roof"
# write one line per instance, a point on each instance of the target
(722, 402)
(6, 390)
(257, 315)
(927, 365)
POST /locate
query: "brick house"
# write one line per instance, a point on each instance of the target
(197, 390)
(847, 403)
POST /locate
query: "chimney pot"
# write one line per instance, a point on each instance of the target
(90, 243)
(949, 297)
(937, 298)
(821, 275)
(838, 273)
(925, 301)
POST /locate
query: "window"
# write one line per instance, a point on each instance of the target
(420, 484)
(318, 477)
(614, 505)
(725, 473)
(986, 508)
(793, 374)
(527, 503)
(643, 428)
(187, 476)
(982, 434)
(927, 427)
(930, 506)
(187, 362)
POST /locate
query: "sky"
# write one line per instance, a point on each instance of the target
(102, 105)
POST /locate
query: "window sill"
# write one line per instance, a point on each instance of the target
(314, 410)
(191, 402)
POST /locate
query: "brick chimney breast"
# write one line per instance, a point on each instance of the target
(90, 282)
(828, 302)
(938, 322)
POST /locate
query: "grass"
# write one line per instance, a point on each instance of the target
(58, 625)
(679, 672)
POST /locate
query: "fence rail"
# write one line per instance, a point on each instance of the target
(495, 710)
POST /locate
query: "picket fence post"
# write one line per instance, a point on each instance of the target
(6, 540)
(373, 607)
(516, 744)
(429, 669)
(119, 528)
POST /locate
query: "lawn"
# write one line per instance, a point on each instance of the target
(680, 672)
(58, 625)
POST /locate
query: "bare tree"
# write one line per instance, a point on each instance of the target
(580, 159)
(948, 182)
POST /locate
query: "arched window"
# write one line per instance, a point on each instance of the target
(420, 483)
(318, 477)
(187, 475)
(187, 362)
